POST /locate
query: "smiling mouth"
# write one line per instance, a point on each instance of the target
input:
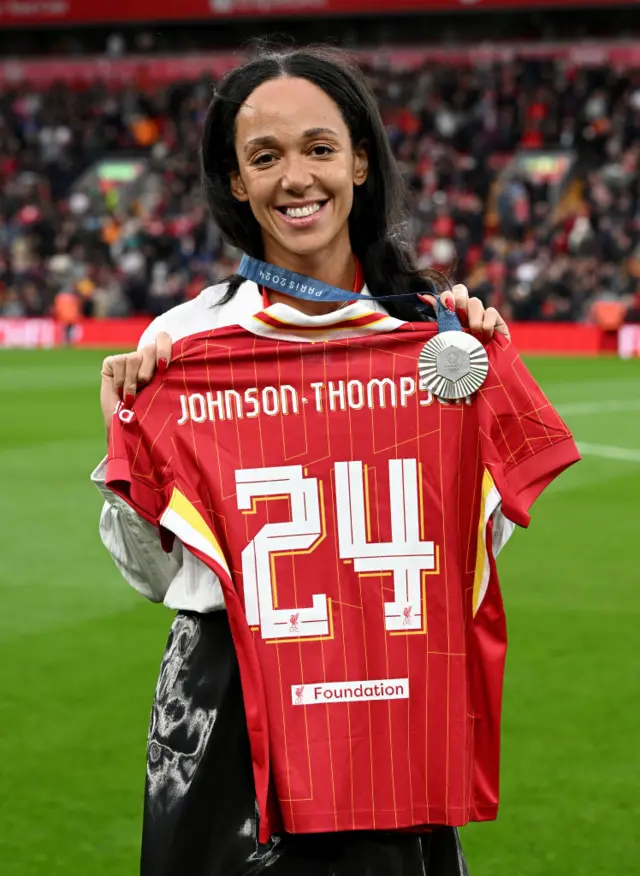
(304, 211)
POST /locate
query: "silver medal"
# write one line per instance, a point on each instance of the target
(453, 365)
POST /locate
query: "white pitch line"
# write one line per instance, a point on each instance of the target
(624, 454)
(604, 407)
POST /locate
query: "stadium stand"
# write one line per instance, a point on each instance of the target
(524, 180)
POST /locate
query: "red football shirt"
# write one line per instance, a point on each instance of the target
(348, 515)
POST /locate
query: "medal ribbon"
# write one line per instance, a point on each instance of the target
(308, 289)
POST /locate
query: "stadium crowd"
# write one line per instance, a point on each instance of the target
(516, 243)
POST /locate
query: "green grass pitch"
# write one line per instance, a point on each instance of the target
(79, 650)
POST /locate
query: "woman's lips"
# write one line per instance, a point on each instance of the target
(303, 221)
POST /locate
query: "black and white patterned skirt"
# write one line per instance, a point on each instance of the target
(200, 814)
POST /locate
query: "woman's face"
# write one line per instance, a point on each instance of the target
(296, 168)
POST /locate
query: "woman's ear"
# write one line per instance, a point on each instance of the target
(238, 189)
(360, 164)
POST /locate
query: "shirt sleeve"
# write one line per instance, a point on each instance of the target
(524, 442)
(134, 545)
(175, 577)
(139, 462)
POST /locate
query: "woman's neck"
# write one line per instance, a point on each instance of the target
(337, 269)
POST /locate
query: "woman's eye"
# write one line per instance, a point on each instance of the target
(322, 149)
(265, 158)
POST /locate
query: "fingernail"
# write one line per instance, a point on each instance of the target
(120, 393)
(163, 364)
(450, 305)
(128, 400)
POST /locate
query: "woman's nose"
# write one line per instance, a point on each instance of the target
(296, 174)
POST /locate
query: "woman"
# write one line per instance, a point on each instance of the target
(298, 172)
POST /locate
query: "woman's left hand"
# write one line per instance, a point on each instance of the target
(472, 313)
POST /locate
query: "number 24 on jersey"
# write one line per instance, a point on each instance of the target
(405, 556)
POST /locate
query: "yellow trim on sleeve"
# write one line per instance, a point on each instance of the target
(481, 576)
(183, 508)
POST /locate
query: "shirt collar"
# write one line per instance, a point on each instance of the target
(286, 323)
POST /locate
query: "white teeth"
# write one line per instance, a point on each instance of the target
(301, 212)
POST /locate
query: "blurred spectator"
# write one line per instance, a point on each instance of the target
(454, 131)
(67, 309)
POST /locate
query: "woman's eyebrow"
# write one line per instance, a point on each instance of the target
(260, 141)
(315, 132)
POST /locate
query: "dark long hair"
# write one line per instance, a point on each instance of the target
(378, 220)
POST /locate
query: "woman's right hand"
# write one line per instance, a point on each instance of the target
(123, 375)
